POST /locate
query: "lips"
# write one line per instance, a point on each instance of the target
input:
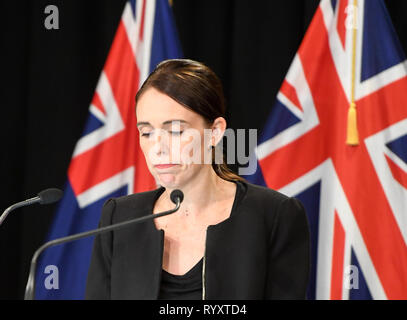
(164, 166)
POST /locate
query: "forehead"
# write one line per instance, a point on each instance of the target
(156, 108)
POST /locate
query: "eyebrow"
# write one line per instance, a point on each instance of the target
(144, 123)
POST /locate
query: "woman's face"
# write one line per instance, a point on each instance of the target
(172, 138)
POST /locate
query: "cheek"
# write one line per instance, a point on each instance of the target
(145, 146)
(193, 148)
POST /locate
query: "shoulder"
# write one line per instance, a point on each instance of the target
(256, 194)
(138, 199)
(130, 206)
(273, 204)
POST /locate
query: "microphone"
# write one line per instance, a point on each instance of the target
(176, 196)
(44, 197)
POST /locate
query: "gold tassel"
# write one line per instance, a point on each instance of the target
(352, 131)
(352, 135)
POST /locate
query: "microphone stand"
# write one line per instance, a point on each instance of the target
(18, 205)
(46, 196)
(30, 288)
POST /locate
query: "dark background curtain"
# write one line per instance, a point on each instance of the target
(49, 77)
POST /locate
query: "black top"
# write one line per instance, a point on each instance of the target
(189, 285)
(262, 251)
(182, 287)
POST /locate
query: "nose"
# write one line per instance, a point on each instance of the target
(159, 152)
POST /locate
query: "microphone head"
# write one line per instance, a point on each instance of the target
(177, 194)
(50, 195)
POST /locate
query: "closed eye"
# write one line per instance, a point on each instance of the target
(146, 134)
(176, 132)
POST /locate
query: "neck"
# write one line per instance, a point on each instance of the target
(204, 190)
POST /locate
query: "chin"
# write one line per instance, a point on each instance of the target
(168, 181)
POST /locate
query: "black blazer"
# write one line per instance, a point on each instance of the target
(261, 251)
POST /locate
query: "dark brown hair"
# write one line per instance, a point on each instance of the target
(197, 88)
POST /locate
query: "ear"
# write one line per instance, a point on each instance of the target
(218, 130)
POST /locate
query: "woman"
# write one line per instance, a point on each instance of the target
(229, 240)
